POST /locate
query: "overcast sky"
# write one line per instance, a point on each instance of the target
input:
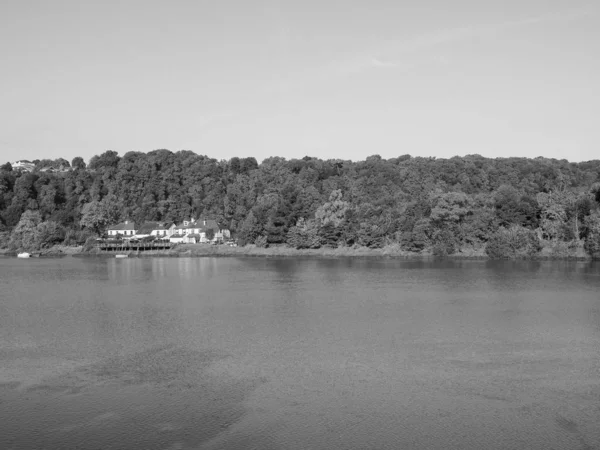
(332, 79)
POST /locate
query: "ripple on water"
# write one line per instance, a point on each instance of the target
(158, 398)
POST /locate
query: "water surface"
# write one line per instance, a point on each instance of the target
(239, 353)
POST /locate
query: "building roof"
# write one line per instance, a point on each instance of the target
(199, 225)
(122, 226)
(209, 223)
(149, 227)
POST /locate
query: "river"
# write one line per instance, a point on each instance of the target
(268, 353)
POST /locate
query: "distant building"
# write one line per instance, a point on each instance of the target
(195, 231)
(126, 228)
(157, 229)
(23, 164)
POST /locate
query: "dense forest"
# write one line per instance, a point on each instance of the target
(509, 207)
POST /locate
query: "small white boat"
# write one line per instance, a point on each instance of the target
(120, 255)
(23, 255)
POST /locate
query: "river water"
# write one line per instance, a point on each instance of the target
(242, 353)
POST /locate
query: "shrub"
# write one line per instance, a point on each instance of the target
(304, 235)
(48, 234)
(444, 243)
(261, 241)
(4, 239)
(89, 243)
(513, 242)
(592, 240)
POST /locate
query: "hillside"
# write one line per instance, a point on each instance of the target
(512, 207)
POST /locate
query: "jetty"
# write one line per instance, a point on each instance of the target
(126, 246)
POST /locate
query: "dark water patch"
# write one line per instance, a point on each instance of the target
(157, 365)
(54, 389)
(158, 398)
(9, 386)
(571, 427)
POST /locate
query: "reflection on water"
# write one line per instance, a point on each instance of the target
(299, 353)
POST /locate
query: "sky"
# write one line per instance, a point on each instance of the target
(325, 78)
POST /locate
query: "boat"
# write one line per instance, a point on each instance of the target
(23, 255)
(120, 255)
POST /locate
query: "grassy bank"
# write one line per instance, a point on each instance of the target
(199, 250)
(57, 250)
(390, 251)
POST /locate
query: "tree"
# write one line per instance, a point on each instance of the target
(553, 215)
(513, 242)
(449, 207)
(417, 239)
(78, 163)
(305, 234)
(209, 234)
(329, 235)
(334, 210)
(6, 167)
(48, 234)
(108, 159)
(24, 233)
(249, 230)
(592, 240)
(96, 215)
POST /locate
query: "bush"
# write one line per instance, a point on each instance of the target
(304, 235)
(444, 243)
(89, 243)
(592, 239)
(261, 242)
(514, 242)
(562, 249)
(417, 239)
(4, 239)
(75, 237)
(48, 234)
(330, 235)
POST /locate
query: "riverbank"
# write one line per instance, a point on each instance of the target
(57, 250)
(200, 250)
(204, 250)
(390, 251)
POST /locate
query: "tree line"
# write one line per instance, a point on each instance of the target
(511, 207)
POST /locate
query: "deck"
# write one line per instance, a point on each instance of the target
(133, 246)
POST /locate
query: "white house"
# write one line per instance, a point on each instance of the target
(176, 238)
(23, 164)
(194, 231)
(126, 229)
(157, 229)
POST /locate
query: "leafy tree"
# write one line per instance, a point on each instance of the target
(6, 167)
(209, 234)
(513, 242)
(108, 159)
(249, 230)
(48, 234)
(24, 234)
(305, 234)
(261, 242)
(592, 240)
(96, 215)
(553, 216)
(78, 163)
(329, 235)
(333, 211)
